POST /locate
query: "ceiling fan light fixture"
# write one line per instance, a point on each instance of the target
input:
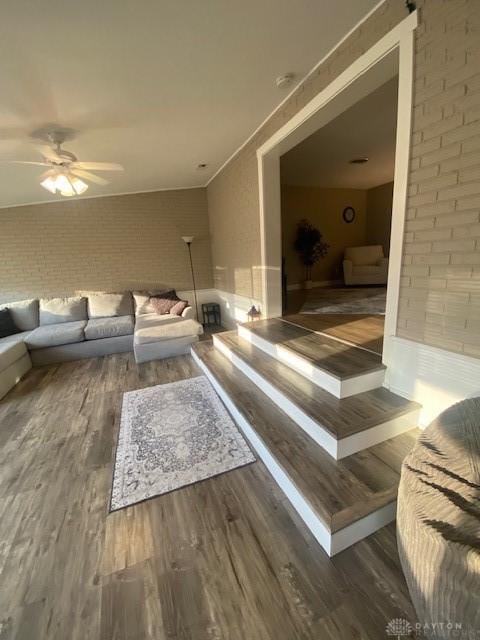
(79, 185)
(65, 184)
(49, 184)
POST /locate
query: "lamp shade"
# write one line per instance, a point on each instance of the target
(188, 239)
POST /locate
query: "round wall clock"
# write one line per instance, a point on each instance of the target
(349, 214)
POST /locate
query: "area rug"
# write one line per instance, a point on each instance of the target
(173, 435)
(347, 301)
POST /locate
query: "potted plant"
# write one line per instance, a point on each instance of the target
(310, 247)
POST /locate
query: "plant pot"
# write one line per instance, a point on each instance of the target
(308, 284)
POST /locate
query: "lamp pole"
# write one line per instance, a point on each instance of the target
(188, 241)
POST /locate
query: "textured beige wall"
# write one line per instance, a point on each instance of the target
(113, 243)
(440, 295)
(323, 208)
(379, 215)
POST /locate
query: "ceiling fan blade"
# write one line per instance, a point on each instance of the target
(50, 154)
(98, 166)
(89, 176)
(41, 164)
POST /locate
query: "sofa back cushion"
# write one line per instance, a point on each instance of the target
(24, 313)
(142, 301)
(110, 305)
(364, 255)
(57, 310)
(164, 302)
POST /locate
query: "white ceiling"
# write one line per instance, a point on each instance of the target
(367, 129)
(157, 85)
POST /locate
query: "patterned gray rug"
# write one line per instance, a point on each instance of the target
(173, 435)
(371, 300)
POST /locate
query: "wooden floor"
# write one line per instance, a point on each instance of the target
(333, 356)
(340, 491)
(224, 559)
(341, 417)
(362, 330)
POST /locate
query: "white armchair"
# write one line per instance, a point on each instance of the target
(365, 265)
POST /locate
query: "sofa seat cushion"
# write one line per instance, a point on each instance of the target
(163, 330)
(16, 337)
(11, 351)
(98, 328)
(154, 319)
(366, 269)
(53, 335)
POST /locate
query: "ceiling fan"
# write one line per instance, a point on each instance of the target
(65, 172)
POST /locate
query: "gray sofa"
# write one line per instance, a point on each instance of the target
(62, 329)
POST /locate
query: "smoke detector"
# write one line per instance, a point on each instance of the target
(284, 80)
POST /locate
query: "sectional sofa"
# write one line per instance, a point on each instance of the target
(97, 324)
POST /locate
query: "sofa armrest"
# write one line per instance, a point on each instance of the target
(347, 271)
(188, 313)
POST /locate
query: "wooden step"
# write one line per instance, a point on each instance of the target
(340, 501)
(340, 426)
(339, 368)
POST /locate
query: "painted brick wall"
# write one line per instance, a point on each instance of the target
(440, 294)
(105, 244)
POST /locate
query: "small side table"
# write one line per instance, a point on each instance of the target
(211, 314)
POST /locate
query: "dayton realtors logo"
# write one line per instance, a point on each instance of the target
(398, 628)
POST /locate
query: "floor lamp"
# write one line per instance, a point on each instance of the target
(188, 241)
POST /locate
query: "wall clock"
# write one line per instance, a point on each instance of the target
(349, 214)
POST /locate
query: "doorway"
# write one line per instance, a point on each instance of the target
(336, 210)
(390, 57)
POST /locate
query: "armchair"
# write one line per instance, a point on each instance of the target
(365, 265)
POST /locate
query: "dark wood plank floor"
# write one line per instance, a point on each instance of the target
(340, 491)
(333, 356)
(223, 559)
(365, 331)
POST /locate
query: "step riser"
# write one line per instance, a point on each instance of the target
(335, 386)
(331, 543)
(338, 449)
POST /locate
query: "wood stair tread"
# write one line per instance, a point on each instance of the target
(340, 417)
(340, 492)
(337, 358)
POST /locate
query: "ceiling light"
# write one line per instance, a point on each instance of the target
(358, 160)
(49, 184)
(64, 183)
(79, 185)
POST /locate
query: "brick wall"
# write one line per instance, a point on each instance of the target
(440, 294)
(106, 244)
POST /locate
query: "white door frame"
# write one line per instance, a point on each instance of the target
(401, 40)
